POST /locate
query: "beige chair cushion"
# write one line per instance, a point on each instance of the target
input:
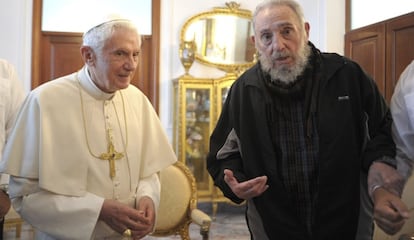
(175, 197)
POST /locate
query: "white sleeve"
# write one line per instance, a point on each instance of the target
(58, 216)
(402, 109)
(151, 187)
(13, 98)
(17, 96)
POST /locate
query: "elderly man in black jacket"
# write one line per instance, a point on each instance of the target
(295, 133)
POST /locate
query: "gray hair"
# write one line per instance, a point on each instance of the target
(96, 36)
(297, 9)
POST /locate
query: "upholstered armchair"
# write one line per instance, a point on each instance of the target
(178, 204)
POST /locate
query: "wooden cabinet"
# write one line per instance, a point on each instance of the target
(383, 49)
(197, 106)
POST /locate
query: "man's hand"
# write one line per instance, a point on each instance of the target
(390, 212)
(248, 189)
(381, 174)
(120, 217)
(147, 219)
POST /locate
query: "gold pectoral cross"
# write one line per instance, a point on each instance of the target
(111, 156)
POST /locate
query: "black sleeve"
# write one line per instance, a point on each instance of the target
(233, 161)
(379, 120)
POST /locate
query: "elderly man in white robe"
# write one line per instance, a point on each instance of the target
(87, 148)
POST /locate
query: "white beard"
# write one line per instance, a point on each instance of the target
(286, 74)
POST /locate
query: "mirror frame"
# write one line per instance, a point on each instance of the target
(231, 9)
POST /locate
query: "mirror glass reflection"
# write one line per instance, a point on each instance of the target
(222, 39)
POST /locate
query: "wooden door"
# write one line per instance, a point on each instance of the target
(366, 46)
(383, 49)
(56, 54)
(400, 49)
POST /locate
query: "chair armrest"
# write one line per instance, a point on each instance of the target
(203, 220)
(200, 218)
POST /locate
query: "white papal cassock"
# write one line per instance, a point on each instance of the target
(56, 184)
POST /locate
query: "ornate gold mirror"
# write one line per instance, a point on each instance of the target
(222, 37)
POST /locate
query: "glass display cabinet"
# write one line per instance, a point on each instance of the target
(220, 38)
(198, 103)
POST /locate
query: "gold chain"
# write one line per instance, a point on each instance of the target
(84, 121)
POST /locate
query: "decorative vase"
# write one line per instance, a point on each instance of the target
(187, 54)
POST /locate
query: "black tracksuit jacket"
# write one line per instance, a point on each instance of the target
(354, 128)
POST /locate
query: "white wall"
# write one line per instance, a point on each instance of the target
(16, 36)
(58, 15)
(383, 10)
